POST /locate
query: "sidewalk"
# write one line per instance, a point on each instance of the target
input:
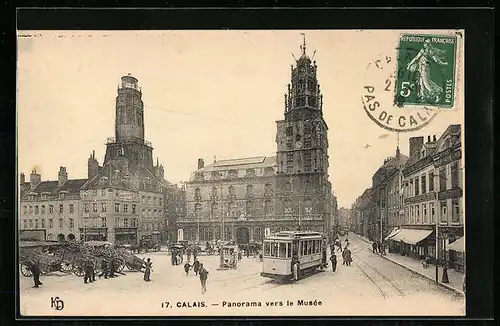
(415, 266)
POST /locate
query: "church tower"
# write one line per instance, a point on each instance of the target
(129, 128)
(302, 149)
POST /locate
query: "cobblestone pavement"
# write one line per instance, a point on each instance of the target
(370, 286)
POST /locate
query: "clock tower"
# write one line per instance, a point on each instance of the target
(302, 150)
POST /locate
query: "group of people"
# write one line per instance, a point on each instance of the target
(346, 253)
(108, 267)
(200, 270)
(378, 247)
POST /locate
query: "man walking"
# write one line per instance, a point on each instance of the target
(333, 259)
(87, 266)
(105, 268)
(203, 279)
(35, 270)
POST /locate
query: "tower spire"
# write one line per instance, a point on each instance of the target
(303, 47)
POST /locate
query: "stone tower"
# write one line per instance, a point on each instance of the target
(302, 147)
(129, 128)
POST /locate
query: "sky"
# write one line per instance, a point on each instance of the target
(206, 94)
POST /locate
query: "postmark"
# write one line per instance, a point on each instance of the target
(426, 66)
(378, 99)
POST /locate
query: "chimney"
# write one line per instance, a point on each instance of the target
(92, 166)
(62, 176)
(398, 153)
(416, 144)
(201, 163)
(428, 139)
(434, 138)
(35, 179)
(23, 178)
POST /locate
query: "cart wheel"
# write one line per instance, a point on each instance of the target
(66, 267)
(78, 271)
(120, 265)
(129, 267)
(26, 271)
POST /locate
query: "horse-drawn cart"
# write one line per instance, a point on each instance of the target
(48, 256)
(132, 262)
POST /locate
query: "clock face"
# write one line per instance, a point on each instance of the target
(298, 144)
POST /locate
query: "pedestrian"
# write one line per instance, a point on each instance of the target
(348, 258)
(195, 253)
(338, 244)
(188, 253)
(203, 279)
(112, 267)
(187, 267)
(333, 259)
(92, 271)
(87, 266)
(105, 268)
(173, 255)
(196, 267)
(247, 252)
(374, 247)
(239, 255)
(35, 270)
(346, 243)
(147, 271)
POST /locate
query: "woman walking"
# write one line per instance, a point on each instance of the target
(147, 272)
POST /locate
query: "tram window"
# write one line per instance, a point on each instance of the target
(274, 249)
(309, 247)
(288, 250)
(282, 252)
(267, 249)
(314, 246)
(304, 248)
(318, 246)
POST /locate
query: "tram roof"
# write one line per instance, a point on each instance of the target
(294, 234)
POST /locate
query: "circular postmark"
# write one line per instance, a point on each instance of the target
(380, 100)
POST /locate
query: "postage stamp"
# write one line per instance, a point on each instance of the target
(426, 70)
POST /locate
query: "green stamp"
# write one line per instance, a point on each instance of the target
(426, 70)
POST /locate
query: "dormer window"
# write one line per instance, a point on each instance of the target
(422, 154)
(250, 173)
(233, 174)
(215, 175)
(103, 180)
(199, 176)
(61, 195)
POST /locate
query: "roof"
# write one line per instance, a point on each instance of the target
(104, 179)
(52, 188)
(257, 162)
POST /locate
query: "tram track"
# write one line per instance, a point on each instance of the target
(385, 285)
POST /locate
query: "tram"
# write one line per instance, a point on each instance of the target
(290, 255)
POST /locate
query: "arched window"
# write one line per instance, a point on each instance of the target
(215, 175)
(268, 207)
(231, 190)
(214, 208)
(214, 192)
(249, 208)
(233, 174)
(197, 193)
(197, 209)
(232, 209)
(249, 190)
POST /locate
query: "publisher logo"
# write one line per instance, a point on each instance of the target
(56, 303)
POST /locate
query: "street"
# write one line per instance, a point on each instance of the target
(370, 286)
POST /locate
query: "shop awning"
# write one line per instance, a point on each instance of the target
(411, 236)
(393, 233)
(458, 245)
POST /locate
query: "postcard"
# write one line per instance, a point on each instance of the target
(241, 173)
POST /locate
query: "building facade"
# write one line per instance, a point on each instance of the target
(53, 206)
(239, 199)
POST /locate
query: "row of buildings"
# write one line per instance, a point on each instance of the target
(234, 199)
(414, 196)
(122, 200)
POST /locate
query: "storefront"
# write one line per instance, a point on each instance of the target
(126, 236)
(412, 242)
(457, 254)
(93, 234)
